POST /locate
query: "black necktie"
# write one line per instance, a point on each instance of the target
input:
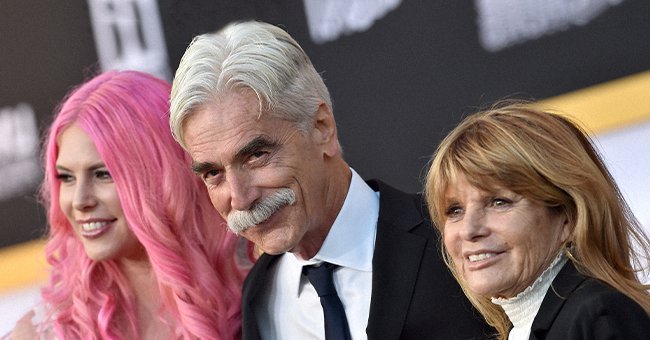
(336, 324)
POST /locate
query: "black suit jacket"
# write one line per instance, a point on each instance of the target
(578, 307)
(413, 294)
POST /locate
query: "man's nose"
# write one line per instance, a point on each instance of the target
(243, 191)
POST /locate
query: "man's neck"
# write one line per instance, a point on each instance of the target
(335, 194)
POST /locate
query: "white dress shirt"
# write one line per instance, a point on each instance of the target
(291, 308)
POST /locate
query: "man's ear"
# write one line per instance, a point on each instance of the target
(324, 130)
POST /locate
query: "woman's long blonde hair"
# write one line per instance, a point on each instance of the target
(548, 158)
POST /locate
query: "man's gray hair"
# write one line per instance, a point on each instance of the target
(253, 55)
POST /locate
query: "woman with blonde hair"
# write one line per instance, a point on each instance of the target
(536, 230)
(135, 247)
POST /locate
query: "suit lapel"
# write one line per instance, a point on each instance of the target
(563, 285)
(255, 280)
(396, 262)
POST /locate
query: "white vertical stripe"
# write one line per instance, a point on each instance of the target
(627, 154)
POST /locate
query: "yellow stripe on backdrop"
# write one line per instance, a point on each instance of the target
(22, 265)
(608, 106)
(601, 108)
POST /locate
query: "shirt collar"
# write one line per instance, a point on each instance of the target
(351, 240)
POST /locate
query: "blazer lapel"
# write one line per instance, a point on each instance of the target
(255, 280)
(396, 262)
(563, 285)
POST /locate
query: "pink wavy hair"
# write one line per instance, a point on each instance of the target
(167, 207)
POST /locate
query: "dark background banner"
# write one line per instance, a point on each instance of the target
(400, 77)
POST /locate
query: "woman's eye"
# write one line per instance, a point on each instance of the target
(453, 211)
(64, 178)
(103, 174)
(500, 202)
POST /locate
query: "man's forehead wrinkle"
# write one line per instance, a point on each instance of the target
(223, 136)
(210, 130)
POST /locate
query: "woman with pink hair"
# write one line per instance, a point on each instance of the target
(135, 247)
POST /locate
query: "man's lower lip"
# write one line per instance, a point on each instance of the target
(260, 225)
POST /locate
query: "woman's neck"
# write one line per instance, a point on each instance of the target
(522, 309)
(144, 285)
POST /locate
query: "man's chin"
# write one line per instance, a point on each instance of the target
(267, 243)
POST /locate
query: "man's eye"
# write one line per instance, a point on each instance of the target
(210, 174)
(258, 154)
(258, 158)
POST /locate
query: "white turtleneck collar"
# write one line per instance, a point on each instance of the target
(522, 309)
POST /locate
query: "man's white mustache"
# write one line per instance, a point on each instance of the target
(240, 220)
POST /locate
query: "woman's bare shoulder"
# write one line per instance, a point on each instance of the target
(24, 328)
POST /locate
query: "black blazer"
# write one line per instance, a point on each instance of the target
(579, 307)
(413, 294)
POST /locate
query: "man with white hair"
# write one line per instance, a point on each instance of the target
(256, 117)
